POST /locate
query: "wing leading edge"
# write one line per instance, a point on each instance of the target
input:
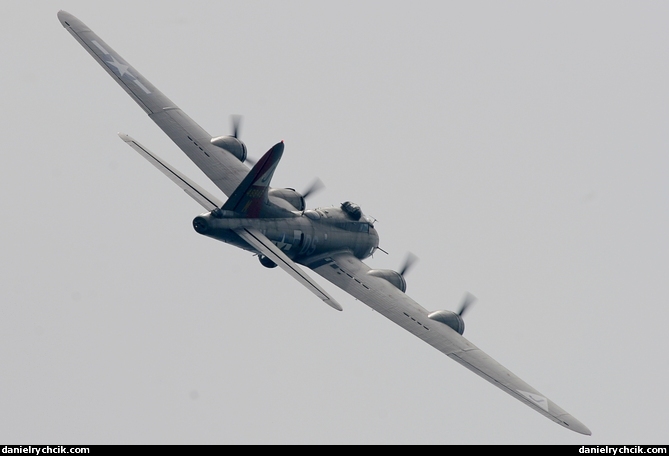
(351, 275)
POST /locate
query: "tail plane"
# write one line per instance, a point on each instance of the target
(249, 197)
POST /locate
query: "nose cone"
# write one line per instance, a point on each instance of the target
(374, 235)
(369, 245)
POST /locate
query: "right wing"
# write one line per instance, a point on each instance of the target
(351, 275)
(220, 166)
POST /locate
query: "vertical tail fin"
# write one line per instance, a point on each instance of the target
(251, 194)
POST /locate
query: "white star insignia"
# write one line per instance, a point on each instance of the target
(121, 68)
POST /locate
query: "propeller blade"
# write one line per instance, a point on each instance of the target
(467, 301)
(408, 263)
(316, 186)
(236, 124)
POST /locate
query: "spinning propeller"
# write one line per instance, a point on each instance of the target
(467, 301)
(316, 186)
(408, 263)
(236, 121)
(236, 124)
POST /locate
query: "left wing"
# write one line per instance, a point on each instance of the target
(219, 165)
(351, 275)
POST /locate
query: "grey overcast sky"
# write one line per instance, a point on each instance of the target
(519, 149)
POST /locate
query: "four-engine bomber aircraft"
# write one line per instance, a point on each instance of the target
(275, 224)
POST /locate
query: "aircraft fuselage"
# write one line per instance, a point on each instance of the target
(301, 235)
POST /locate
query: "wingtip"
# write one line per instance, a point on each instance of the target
(583, 429)
(71, 21)
(573, 424)
(63, 16)
(334, 304)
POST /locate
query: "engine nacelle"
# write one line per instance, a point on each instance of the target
(449, 318)
(290, 196)
(232, 145)
(395, 278)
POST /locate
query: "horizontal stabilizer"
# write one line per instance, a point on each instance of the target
(263, 245)
(196, 192)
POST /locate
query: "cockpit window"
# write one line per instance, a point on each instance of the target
(353, 226)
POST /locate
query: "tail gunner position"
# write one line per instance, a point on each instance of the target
(275, 224)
